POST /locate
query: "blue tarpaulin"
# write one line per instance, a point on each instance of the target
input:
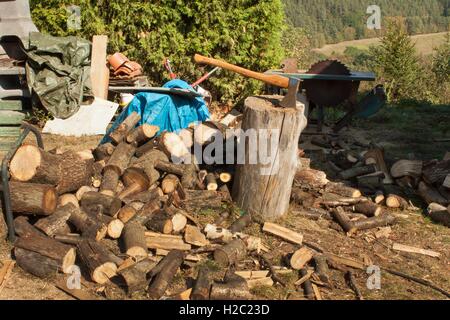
(167, 111)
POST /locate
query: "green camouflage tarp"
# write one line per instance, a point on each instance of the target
(58, 72)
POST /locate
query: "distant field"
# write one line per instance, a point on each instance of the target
(425, 43)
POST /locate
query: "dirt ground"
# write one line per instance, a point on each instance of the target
(412, 138)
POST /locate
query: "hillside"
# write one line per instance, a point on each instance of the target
(424, 43)
(333, 21)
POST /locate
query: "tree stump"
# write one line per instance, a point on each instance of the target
(265, 188)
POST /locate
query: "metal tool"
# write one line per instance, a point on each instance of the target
(169, 68)
(204, 77)
(292, 85)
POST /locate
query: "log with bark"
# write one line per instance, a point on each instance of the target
(241, 223)
(103, 151)
(97, 259)
(343, 190)
(343, 220)
(169, 183)
(407, 168)
(119, 134)
(32, 198)
(135, 280)
(430, 194)
(91, 201)
(134, 240)
(233, 287)
(368, 208)
(167, 267)
(211, 182)
(437, 173)
(135, 181)
(33, 240)
(85, 224)
(160, 221)
(231, 253)
(357, 171)
(439, 213)
(321, 268)
(374, 222)
(55, 223)
(395, 201)
(310, 178)
(202, 286)
(142, 133)
(35, 263)
(265, 188)
(376, 157)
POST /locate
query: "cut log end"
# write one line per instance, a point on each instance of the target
(25, 162)
(68, 260)
(104, 272)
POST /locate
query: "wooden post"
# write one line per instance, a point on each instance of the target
(265, 189)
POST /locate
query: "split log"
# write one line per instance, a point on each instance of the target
(160, 221)
(134, 240)
(169, 183)
(376, 157)
(211, 182)
(231, 253)
(91, 201)
(194, 236)
(173, 146)
(374, 222)
(310, 178)
(119, 134)
(163, 279)
(202, 286)
(97, 260)
(356, 171)
(160, 241)
(32, 240)
(241, 223)
(103, 151)
(254, 185)
(283, 233)
(179, 222)
(430, 195)
(343, 190)
(135, 181)
(126, 213)
(405, 248)
(233, 288)
(142, 133)
(300, 258)
(407, 168)
(56, 223)
(69, 238)
(32, 198)
(219, 234)
(35, 263)
(439, 213)
(343, 220)
(395, 201)
(147, 211)
(368, 208)
(86, 225)
(437, 173)
(67, 198)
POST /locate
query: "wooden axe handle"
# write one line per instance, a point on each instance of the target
(275, 80)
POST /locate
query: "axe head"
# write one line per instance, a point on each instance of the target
(290, 99)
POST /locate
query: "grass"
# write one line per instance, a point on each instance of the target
(425, 43)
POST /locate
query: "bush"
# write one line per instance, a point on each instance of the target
(243, 32)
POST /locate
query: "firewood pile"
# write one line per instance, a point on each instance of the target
(361, 165)
(126, 213)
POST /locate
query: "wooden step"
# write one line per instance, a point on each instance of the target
(14, 105)
(8, 117)
(10, 131)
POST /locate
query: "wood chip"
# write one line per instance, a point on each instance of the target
(304, 278)
(5, 273)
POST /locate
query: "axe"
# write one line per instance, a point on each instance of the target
(289, 101)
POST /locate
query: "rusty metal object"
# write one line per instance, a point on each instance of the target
(328, 93)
